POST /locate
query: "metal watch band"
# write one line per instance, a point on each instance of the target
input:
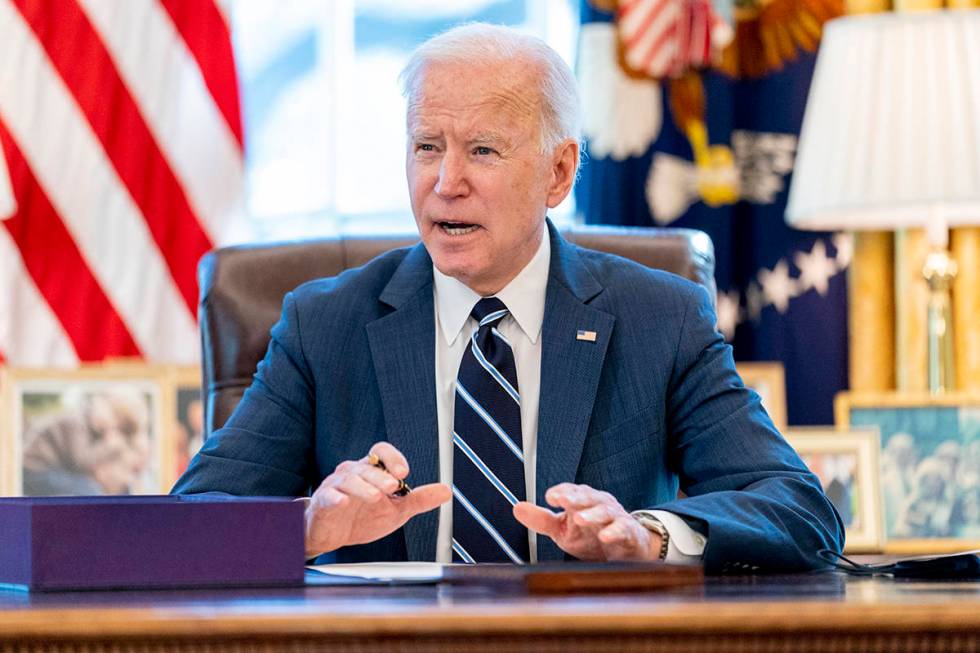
(654, 525)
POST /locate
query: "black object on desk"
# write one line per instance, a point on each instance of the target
(954, 566)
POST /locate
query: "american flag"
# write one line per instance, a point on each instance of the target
(121, 165)
(664, 38)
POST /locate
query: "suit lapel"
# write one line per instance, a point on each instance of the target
(570, 370)
(403, 352)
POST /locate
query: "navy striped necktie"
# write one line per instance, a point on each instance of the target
(488, 455)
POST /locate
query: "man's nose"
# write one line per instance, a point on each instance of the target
(452, 177)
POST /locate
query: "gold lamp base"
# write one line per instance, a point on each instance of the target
(939, 271)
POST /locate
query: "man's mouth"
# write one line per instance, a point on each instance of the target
(457, 228)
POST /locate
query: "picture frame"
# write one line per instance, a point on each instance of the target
(91, 430)
(929, 465)
(846, 462)
(768, 379)
(6, 442)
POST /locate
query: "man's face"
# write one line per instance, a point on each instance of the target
(479, 185)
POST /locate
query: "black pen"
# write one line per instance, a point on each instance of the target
(403, 487)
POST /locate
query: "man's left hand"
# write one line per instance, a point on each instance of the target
(592, 525)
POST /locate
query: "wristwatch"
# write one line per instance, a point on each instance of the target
(654, 525)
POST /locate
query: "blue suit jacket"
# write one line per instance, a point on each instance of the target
(654, 403)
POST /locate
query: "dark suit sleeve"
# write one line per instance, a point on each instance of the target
(748, 490)
(265, 449)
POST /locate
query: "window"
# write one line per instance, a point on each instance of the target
(324, 117)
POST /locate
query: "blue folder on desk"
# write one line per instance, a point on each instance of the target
(67, 543)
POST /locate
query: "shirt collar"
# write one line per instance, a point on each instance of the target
(524, 296)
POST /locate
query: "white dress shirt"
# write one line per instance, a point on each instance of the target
(524, 297)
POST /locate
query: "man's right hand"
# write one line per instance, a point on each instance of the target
(354, 505)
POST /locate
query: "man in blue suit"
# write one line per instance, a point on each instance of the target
(622, 389)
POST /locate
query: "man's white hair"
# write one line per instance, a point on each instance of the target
(481, 42)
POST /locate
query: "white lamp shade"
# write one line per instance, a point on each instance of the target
(891, 132)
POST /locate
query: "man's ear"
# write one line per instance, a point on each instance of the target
(564, 167)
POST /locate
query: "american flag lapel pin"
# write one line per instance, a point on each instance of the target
(588, 336)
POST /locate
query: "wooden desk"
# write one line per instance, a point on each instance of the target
(822, 612)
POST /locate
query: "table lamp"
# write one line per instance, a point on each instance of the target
(891, 140)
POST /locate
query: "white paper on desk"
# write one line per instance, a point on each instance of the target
(417, 572)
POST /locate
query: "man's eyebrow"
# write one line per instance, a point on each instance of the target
(422, 135)
(487, 137)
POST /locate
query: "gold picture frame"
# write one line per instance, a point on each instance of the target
(929, 466)
(847, 465)
(768, 379)
(92, 430)
(6, 441)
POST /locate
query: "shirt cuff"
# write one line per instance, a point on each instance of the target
(685, 546)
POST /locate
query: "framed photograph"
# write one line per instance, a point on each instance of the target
(929, 466)
(89, 431)
(847, 465)
(769, 381)
(185, 404)
(6, 443)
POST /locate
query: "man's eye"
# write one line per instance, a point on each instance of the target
(425, 147)
(482, 150)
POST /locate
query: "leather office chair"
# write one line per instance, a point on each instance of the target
(242, 289)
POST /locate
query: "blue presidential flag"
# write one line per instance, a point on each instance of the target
(691, 118)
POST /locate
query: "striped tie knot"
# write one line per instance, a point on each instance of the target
(489, 311)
